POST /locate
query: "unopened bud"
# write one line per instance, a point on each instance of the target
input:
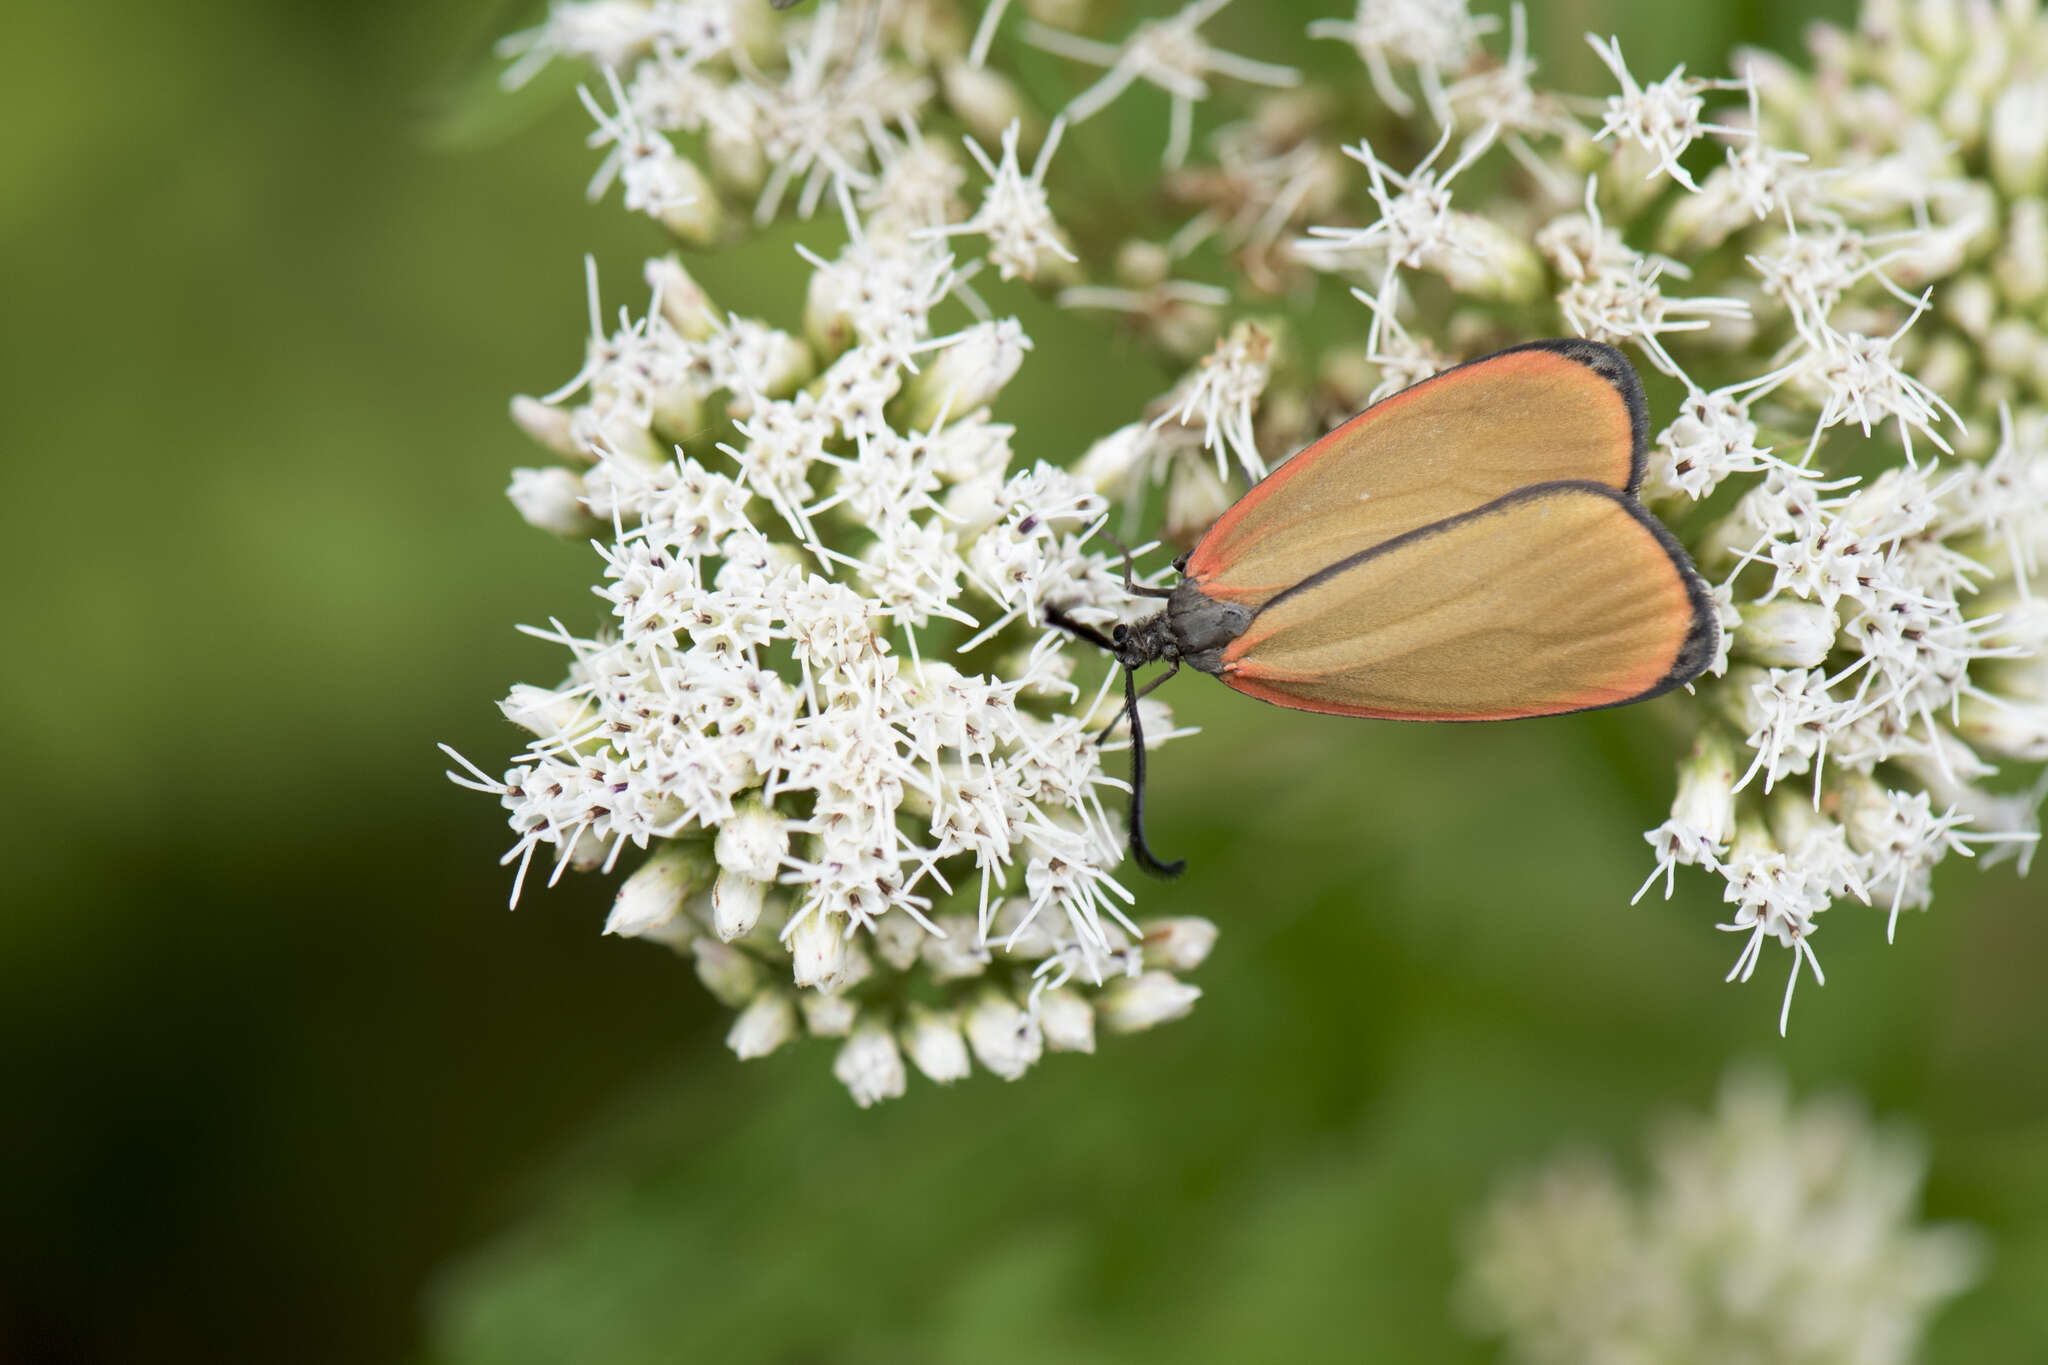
(869, 1065)
(736, 904)
(1705, 801)
(1067, 1021)
(549, 425)
(898, 938)
(544, 712)
(654, 895)
(1180, 944)
(768, 1021)
(2007, 726)
(732, 977)
(737, 162)
(965, 375)
(1004, 1038)
(827, 1016)
(1493, 263)
(752, 841)
(681, 299)
(551, 499)
(1195, 496)
(1115, 463)
(936, 1047)
(817, 949)
(1787, 633)
(988, 102)
(1138, 1002)
(2019, 138)
(956, 952)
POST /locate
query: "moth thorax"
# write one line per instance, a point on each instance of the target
(1202, 625)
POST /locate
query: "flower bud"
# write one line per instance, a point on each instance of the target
(1497, 265)
(768, 1021)
(688, 206)
(2007, 726)
(1787, 633)
(552, 500)
(682, 300)
(1115, 463)
(1180, 944)
(988, 102)
(828, 1016)
(548, 425)
(1195, 497)
(737, 162)
(1143, 265)
(736, 904)
(898, 939)
(1067, 1021)
(653, 896)
(817, 949)
(732, 977)
(1138, 1002)
(1004, 1038)
(600, 429)
(545, 713)
(2019, 138)
(753, 841)
(933, 1040)
(965, 375)
(676, 413)
(869, 1065)
(1705, 802)
(1020, 933)
(2021, 267)
(959, 953)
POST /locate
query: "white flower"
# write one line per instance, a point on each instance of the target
(1222, 392)
(1662, 119)
(1416, 227)
(1014, 214)
(1768, 1231)
(1437, 37)
(1167, 53)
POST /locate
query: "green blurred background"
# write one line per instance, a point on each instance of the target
(285, 1080)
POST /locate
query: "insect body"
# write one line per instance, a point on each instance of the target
(1471, 548)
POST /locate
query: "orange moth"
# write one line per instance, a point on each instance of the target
(1471, 548)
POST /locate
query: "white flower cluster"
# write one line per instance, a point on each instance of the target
(866, 773)
(828, 584)
(1883, 647)
(1771, 1231)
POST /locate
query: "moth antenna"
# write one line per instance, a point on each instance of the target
(1054, 616)
(1131, 583)
(1140, 850)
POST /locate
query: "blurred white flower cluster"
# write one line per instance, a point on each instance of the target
(1768, 1232)
(826, 701)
